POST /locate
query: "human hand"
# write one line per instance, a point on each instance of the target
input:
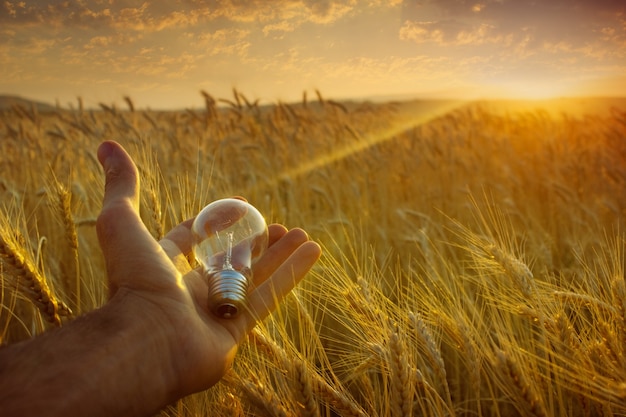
(153, 284)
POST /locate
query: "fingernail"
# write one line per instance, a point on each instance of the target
(104, 152)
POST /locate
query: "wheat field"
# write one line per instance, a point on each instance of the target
(473, 262)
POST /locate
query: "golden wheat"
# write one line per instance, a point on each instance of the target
(473, 252)
(525, 394)
(262, 397)
(20, 273)
(71, 279)
(401, 389)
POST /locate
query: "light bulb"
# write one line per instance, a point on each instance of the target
(229, 235)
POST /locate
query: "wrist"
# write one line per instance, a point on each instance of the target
(143, 353)
(108, 362)
(119, 361)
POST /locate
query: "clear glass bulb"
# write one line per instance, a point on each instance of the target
(229, 235)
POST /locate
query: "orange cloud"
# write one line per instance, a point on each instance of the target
(421, 32)
(221, 41)
(280, 27)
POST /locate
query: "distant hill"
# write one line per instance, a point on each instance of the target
(7, 101)
(573, 106)
(409, 107)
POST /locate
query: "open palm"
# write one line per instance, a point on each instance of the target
(157, 285)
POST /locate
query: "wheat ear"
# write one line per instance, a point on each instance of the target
(341, 403)
(401, 387)
(155, 215)
(618, 290)
(432, 351)
(514, 268)
(31, 283)
(338, 401)
(304, 389)
(64, 201)
(524, 389)
(262, 397)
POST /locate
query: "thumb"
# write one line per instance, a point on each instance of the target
(120, 230)
(122, 179)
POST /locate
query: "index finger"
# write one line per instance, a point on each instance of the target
(177, 245)
(265, 298)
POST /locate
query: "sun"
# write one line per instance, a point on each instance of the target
(525, 89)
(536, 90)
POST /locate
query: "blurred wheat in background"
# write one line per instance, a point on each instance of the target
(473, 252)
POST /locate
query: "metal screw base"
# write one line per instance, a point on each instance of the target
(227, 293)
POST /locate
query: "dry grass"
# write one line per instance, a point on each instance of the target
(473, 266)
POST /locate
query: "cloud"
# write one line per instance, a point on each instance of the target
(524, 42)
(328, 11)
(452, 33)
(524, 8)
(220, 42)
(154, 16)
(56, 14)
(95, 15)
(547, 20)
(558, 28)
(326, 43)
(420, 32)
(280, 27)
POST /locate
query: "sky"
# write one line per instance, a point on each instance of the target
(163, 53)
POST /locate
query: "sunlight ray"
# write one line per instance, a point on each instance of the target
(407, 119)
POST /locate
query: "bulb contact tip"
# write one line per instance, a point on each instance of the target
(227, 311)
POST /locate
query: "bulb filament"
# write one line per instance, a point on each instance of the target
(229, 251)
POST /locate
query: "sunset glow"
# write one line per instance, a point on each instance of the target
(162, 54)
